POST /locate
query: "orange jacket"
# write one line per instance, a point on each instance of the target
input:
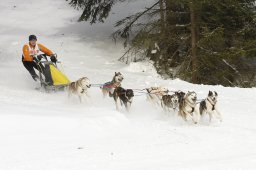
(41, 47)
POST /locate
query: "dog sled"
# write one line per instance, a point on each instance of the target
(50, 77)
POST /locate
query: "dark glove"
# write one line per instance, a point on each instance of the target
(39, 57)
(53, 58)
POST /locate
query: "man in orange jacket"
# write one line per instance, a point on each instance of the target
(30, 59)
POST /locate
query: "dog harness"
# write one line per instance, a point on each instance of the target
(129, 100)
(110, 85)
(192, 107)
(159, 92)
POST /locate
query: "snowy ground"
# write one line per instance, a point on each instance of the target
(41, 131)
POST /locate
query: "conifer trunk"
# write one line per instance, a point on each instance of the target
(162, 15)
(194, 39)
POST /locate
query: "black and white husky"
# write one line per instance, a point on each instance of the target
(109, 87)
(125, 96)
(169, 102)
(209, 106)
(187, 107)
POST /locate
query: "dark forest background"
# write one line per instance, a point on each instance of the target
(200, 41)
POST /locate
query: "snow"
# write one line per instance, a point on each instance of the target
(49, 131)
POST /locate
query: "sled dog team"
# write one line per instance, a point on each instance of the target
(184, 103)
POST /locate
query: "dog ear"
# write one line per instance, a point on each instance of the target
(115, 73)
(210, 93)
(216, 93)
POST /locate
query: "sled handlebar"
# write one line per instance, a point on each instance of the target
(44, 56)
(46, 62)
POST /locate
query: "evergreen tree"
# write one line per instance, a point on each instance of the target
(201, 41)
(93, 10)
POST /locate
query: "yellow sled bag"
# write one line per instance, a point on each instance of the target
(55, 77)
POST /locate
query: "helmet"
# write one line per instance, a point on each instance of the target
(32, 37)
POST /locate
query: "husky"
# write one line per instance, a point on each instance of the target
(180, 95)
(187, 107)
(209, 106)
(79, 88)
(154, 94)
(170, 102)
(125, 96)
(109, 87)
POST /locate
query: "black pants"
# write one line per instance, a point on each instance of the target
(30, 65)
